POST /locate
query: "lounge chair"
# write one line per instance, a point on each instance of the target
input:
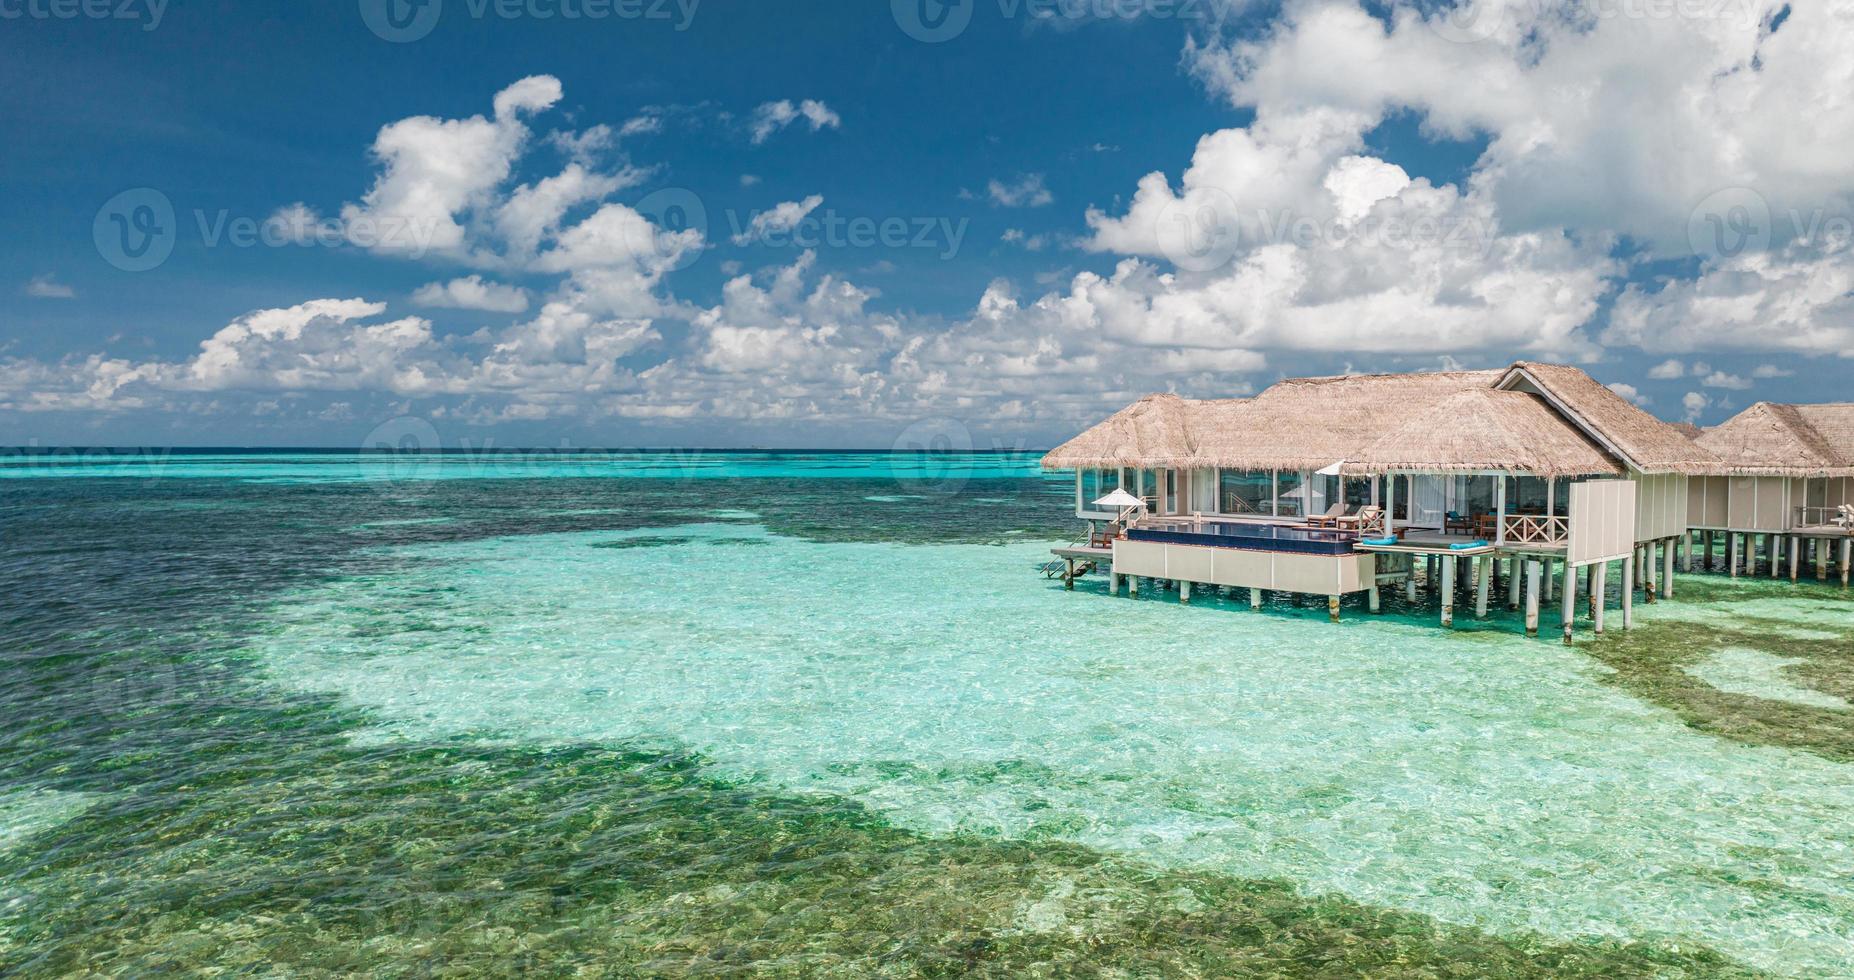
(1330, 518)
(1369, 518)
(1844, 516)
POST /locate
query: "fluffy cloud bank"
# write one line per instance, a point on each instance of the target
(1611, 139)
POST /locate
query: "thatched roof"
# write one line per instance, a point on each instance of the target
(1646, 442)
(1481, 429)
(1769, 439)
(1311, 423)
(1154, 432)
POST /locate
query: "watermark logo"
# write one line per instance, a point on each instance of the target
(135, 231)
(677, 219)
(1470, 22)
(944, 462)
(410, 446)
(1729, 223)
(932, 21)
(401, 21)
(1200, 233)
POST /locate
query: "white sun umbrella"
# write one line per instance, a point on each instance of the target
(1122, 499)
(1332, 470)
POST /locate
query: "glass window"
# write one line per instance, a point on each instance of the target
(1325, 493)
(1290, 494)
(1357, 492)
(1149, 489)
(1204, 491)
(1171, 491)
(1245, 491)
(1525, 495)
(1478, 496)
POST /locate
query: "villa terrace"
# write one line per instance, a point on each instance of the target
(1536, 471)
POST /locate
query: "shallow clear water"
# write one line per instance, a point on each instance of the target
(328, 701)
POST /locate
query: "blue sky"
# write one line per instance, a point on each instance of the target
(982, 252)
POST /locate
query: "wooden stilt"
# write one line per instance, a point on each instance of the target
(1707, 535)
(1184, 591)
(1599, 573)
(1255, 598)
(1448, 592)
(1650, 559)
(1483, 579)
(1512, 583)
(1409, 582)
(1796, 550)
(1847, 552)
(1133, 586)
(1667, 571)
(1731, 551)
(1532, 598)
(1332, 607)
(1776, 555)
(1686, 552)
(1373, 600)
(1551, 580)
(1821, 558)
(1570, 601)
(1628, 597)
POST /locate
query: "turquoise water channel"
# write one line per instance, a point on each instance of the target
(821, 715)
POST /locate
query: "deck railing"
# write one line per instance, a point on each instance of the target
(1817, 516)
(1537, 529)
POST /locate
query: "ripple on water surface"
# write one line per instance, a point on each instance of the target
(1482, 779)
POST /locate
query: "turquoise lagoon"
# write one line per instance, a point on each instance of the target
(320, 685)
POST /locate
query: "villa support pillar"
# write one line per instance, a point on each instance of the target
(1532, 598)
(1448, 592)
(1650, 561)
(1707, 537)
(1512, 583)
(1373, 600)
(1821, 559)
(1795, 553)
(1255, 598)
(1628, 597)
(1133, 586)
(1551, 580)
(1332, 606)
(1184, 592)
(1847, 552)
(1409, 581)
(1732, 544)
(1599, 573)
(1776, 555)
(1667, 572)
(1482, 580)
(1686, 551)
(1570, 601)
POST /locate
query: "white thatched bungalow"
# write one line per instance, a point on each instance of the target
(1784, 473)
(1492, 466)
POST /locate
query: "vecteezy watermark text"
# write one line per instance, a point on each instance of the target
(404, 21)
(935, 21)
(147, 13)
(829, 229)
(136, 230)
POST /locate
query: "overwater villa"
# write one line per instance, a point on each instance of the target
(1516, 481)
(1785, 480)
